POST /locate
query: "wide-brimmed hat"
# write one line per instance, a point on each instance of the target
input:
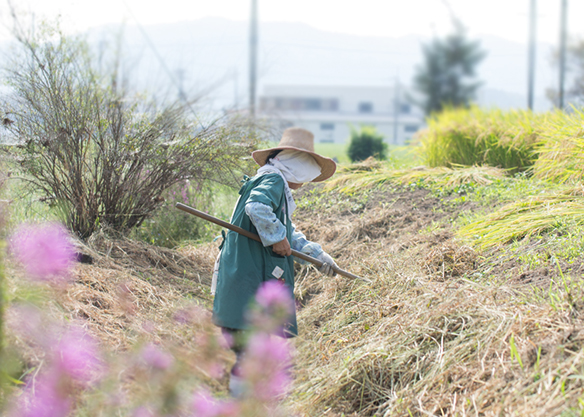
(300, 140)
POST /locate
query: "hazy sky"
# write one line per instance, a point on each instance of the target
(505, 18)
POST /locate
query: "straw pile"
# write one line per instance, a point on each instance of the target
(424, 339)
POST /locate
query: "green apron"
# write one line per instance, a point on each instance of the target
(244, 264)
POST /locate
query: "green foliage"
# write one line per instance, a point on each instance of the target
(446, 75)
(481, 137)
(366, 142)
(103, 155)
(170, 227)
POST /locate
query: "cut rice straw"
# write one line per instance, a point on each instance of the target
(371, 173)
(527, 218)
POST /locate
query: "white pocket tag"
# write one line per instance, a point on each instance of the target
(277, 272)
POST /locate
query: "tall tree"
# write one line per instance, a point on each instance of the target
(447, 77)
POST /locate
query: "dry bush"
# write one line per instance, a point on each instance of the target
(99, 152)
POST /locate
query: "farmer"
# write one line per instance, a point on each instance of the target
(265, 207)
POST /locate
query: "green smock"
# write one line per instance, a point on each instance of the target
(245, 264)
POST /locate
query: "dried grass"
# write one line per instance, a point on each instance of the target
(371, 173)
(415, 343)
(186, 269)
(542, 213)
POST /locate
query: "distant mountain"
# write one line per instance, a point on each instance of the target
(209, 57)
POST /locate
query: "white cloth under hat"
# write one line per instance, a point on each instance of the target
(296, 166)
(298, 139)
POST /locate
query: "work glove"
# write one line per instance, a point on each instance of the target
(327, 266)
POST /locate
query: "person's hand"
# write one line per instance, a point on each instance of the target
(282, 247)
(327, 266)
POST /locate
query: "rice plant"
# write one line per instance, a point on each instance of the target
(474, 136)
(371, 173)
(525, 218)
(561, 152)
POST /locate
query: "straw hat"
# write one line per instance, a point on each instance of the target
(300, 140)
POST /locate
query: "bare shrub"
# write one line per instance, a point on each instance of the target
(103, 154)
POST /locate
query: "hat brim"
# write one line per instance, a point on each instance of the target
(327, 165)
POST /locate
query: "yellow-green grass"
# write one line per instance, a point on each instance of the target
(337, 151)
(371, 173)
(561, 153)
(530, 217)
(476, 136)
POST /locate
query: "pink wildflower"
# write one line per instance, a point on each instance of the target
(274, 308)
(266, 364)
(143, 412)
(192, 314)
(156, 358)
(44, 250)
(45, 400)
(204, 405)
(274, 295)
(76, 355)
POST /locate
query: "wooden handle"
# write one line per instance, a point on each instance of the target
(253, 236)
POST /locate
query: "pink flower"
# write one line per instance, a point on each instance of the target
(266, 364)
(76, 355)
(156, 358)
(143, 412)
(204, 405)
(273, 309)
(275, 295)
(45, 400)
(44, 250)
(191, 315)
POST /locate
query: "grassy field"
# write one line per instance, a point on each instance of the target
(474, 306)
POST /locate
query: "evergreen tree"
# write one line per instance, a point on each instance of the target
(446, 77)
(365, 143)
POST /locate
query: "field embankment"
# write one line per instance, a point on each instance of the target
(447, 327)
(475, 306)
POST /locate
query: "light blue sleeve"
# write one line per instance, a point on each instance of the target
(301, 244)
(270, 229)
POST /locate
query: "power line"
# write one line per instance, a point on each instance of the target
(162, 63)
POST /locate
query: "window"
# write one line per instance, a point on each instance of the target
(365, 107)
(330, 104)
(411, 128)
(405, 108)
(298, 104)
(312, 104)
(327, 126)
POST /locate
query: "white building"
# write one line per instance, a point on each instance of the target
(330, 112)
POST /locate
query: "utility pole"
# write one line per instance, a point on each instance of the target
(253, 57)
(396, 108)
(563, 36)
(531, 55)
